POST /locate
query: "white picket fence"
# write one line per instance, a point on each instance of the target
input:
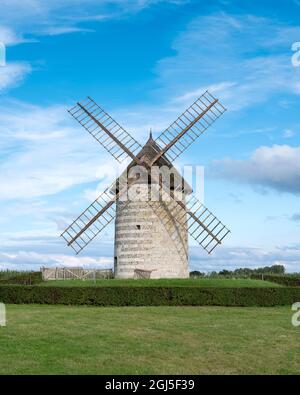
(67, 273)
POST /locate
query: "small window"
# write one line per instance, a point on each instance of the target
(138, 227)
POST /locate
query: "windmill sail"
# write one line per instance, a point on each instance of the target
(189, 126)
(204, 226)
(189, 213)
(98, 215)
(113, 137)
(91, 221)
(200, 222)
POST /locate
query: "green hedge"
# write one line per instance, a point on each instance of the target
(149, 296)
(289, 281)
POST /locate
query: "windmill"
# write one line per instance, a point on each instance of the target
(151, 235)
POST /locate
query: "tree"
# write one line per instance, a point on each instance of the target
(196, 273)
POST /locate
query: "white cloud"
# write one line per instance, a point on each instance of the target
(9, 37)
(44, 152)
(22, 21)
(42, 155)
(231, 258)
(288, 133)
(33, 261)
(59, 17)
(55, 31)
(31, 249)
(12, 74)
(237, 55)
(275, 167)
(215, 89)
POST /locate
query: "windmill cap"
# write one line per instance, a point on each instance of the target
(147, 154)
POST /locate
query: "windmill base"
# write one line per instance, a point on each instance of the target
(148, 244)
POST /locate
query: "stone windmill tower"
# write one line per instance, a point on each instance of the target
(153, 207)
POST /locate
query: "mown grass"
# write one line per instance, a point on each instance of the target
(148, 340)
(202, 282)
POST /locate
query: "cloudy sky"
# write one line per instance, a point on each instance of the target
(145, 61)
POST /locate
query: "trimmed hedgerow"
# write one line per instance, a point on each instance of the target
(289, 281)
(149, 296)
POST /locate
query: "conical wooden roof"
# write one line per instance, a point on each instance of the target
(148, 153)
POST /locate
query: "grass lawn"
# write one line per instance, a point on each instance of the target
(202, 282)
(148, 340)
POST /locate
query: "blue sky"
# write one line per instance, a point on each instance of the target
(146, 61)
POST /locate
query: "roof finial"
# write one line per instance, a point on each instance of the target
(150, 137)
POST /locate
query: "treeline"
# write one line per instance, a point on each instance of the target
(242, 272)
(20, 277)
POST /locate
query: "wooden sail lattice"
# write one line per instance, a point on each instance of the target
(200, 223)
(97, 122)
(205, 228)
(79, 234)
(207, 105)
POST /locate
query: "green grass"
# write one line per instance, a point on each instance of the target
(202, 282)
(148, 340)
